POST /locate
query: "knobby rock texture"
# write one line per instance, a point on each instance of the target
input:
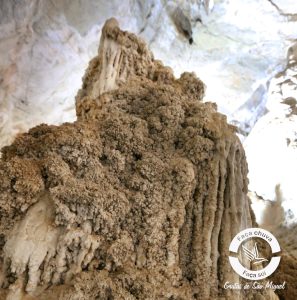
(137, 199)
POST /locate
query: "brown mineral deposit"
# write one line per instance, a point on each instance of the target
(137, 199)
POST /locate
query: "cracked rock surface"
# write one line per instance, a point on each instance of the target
(137, 199)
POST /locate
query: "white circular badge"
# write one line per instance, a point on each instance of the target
(253, 255)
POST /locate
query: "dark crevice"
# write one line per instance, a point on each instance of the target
(103, 159)
(137, 156)
(220, 269)
(186, 241)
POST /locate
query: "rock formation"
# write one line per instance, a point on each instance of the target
(137, 199)
(46, 45)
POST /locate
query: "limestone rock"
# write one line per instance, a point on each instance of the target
(271, 146)
(271, 150)
(137, 199)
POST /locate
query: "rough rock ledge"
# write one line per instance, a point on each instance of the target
(137, 199)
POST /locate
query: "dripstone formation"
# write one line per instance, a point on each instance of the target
(137, 199)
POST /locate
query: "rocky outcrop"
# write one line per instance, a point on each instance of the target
(137, 199)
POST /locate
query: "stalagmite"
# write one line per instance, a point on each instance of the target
(137, 199)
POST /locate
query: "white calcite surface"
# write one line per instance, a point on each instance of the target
(271, 147)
